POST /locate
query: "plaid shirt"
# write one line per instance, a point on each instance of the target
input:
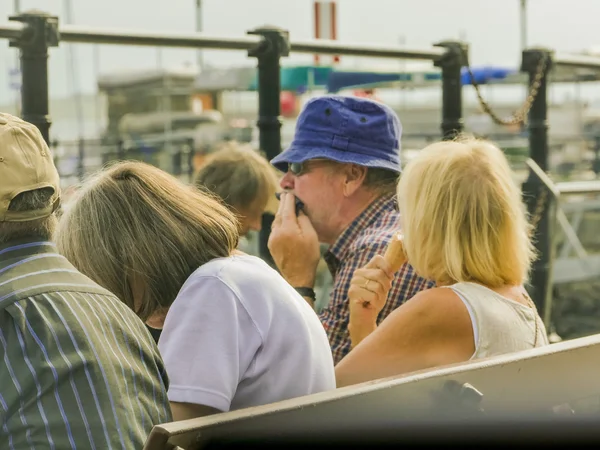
(367, 236)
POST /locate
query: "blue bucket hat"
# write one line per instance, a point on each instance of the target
(345, 129)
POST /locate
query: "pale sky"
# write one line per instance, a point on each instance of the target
(490, 26)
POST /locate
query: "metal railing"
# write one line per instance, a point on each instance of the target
(85, 35)
(576, 61)
(328, 47)
(537, 188)
(33, 32)
(578, 187)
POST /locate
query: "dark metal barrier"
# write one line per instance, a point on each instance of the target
(540, 202)
(37, 31)
(276, 44)
(451, 64)
(39, 34)
(535, 195)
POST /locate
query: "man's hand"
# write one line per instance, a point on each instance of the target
(294, 245)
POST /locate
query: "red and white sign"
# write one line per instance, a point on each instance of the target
(326, 27)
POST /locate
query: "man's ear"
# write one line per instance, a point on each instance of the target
(355, 177)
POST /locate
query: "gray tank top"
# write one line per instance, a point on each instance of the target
(500, 325)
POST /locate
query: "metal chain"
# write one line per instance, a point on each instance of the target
(521, 114)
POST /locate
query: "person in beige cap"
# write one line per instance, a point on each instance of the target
(78, 369)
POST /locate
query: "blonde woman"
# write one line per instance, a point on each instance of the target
(464, 227)
(235, 334)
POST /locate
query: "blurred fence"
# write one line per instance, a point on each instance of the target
(571, 156)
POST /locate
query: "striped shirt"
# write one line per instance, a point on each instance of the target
(78, 369)
(367, 236)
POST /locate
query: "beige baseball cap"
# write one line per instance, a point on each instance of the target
(26, 164)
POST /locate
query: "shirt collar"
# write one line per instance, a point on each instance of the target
(21, 248)
(366, 218)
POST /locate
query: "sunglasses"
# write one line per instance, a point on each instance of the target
(298, 169)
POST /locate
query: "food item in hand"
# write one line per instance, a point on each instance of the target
(394, 254)
(299, 204)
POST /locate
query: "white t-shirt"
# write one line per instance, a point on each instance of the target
(238, 335)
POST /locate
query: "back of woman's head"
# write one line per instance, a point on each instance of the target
(463, 218)
(240, 176)
(140, 233)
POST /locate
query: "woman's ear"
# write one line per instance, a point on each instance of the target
(157, 320)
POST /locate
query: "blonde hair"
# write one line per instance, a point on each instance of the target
(240, 176)
(140, 233)
(463, 218)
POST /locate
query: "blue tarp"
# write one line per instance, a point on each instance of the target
(339, 80)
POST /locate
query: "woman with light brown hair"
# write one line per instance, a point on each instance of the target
(235, 333)
(245, 182)
(465, 227)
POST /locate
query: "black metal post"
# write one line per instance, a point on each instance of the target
(533, 189)
(275, 44)
(40, 33)
(451, 64)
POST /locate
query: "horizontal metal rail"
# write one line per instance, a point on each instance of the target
(86, 35)
(565, 187)
(578, 187)
(10, 30)
(328, 47)
(577, 61)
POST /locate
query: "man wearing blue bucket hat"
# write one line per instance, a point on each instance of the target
(343, 165)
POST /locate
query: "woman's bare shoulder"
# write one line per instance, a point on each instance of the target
(439, 296)
(439, 306)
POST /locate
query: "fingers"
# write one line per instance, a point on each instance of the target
(360, 295)
(372, 280)
(380, 263)
(286, 213)
(288, 207)
(277, 219)
(365, 293)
